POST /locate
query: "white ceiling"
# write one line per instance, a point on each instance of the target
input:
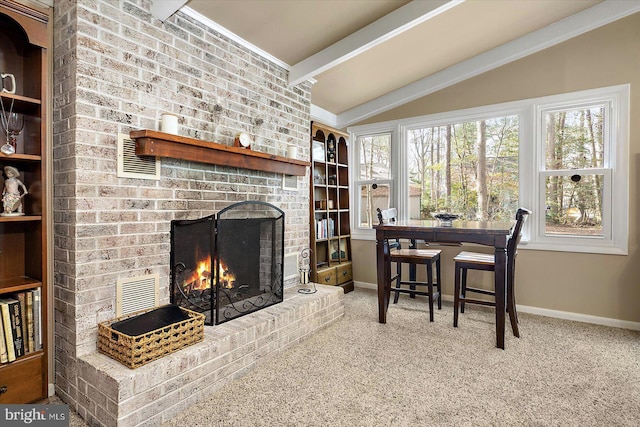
(367, 56)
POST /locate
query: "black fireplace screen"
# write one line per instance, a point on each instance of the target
(230, 265)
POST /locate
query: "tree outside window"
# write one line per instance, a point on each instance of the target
(374, 178)
(575, 146)
(469, 168)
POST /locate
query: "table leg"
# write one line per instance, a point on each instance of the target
(500, 287)
(384, 275)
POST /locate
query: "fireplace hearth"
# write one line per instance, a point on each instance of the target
(230, 264)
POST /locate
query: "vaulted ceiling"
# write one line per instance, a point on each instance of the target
(368, 56)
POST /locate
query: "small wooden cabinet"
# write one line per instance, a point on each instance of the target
(24, 41)
(330, 215)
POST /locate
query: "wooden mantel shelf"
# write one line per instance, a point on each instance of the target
(160, 144)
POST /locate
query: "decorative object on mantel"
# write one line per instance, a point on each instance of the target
(11, 196)
(292, 152)
(305, 269)
(159, 144)
(242, 140)
(169, 123)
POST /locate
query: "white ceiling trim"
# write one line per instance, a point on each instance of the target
(162, 10)
(217, 27)
(385, 28)
(323, 116)
(572, 26)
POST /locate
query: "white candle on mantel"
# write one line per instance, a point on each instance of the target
(169, 123)
(292, 152)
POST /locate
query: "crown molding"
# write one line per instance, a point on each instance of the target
(323, 116)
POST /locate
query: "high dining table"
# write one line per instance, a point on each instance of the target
(486, 233)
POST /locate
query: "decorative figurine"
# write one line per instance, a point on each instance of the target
(11, 196)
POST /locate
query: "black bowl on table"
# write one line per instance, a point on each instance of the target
(445, 218)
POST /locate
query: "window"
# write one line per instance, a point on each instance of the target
(469, 168)
(374, 178)
(565, 157)
(574, 173)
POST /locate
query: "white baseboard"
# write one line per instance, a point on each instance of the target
(52, 389)
(565, 315)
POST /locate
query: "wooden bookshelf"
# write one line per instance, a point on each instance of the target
(24, 239)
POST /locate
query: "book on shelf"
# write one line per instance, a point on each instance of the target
(22, 299)
(3, 343)
(325, 228)
(30, 326)
(37, 324)
(16, 325)
(8, 330)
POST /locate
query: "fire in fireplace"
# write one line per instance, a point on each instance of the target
(230, 264)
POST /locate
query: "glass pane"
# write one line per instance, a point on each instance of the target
(375, 157)
(372, 199)
(470, 168)
(574, 205)
(575, 139)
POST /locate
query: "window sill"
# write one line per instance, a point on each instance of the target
(583, 248)
(527, 245)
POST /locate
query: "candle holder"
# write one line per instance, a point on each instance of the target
(305, 269)
(12, 125)
(15, 124)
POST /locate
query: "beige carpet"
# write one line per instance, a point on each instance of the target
(410, 372)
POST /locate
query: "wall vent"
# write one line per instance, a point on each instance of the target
(132, 166)
(290, 182)
(137, 293)
(290, 265)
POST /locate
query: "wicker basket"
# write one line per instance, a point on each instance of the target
(135, 351)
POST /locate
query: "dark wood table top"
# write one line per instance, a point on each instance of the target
(481, 232)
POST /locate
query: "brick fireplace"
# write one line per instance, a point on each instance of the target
(229, 264)
(117, 69)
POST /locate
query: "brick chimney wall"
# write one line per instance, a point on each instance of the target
(116, 69)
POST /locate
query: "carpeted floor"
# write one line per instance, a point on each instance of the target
(410, 372)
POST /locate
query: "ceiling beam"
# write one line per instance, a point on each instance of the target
(322, 115)
(390, 25)
(551, 35)
(163, 9)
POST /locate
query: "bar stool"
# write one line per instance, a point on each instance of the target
(466, 260)
(413, 257)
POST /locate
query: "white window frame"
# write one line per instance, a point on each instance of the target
(358, 232)
(615, 169)
(531, 165)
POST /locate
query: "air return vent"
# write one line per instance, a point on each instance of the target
(132, 166)
(136, 293)
(290, 182)
(290, 265)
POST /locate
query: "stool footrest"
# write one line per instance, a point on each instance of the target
(480, 291)
(477, 301)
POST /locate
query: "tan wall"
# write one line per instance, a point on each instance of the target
(598, 285)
